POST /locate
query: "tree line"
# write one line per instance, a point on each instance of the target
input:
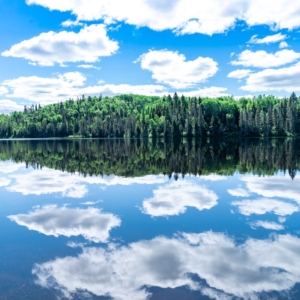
(140, 157)
(136, 116)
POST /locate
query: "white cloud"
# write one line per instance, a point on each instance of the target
(4, 181)
(262, 59)
(173, 69)
(91, 202)
(244, 96)
(263, 206)
(117, 180)
(210, 92)
(3, 90)
(117, 89)
(281, 219)
(214, 294)
(173, 199)
(182, 16)
(46, 90)
(61, 87)
(274, 187)
(91, 223)
(70, 23)
(283, 45)
(8, 106)
(227, 268)
(239, 74)
(267, 225)
(88, 45)
(49, 181)
(9, 167)
(88, 67)
(268, 39)
(213, 177)
(283, 79)
(239, 192)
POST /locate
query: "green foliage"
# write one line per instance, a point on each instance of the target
(137, 116)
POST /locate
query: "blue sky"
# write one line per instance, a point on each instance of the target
(55, 50)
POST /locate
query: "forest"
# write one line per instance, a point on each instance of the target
(136, 116)
(140, 157)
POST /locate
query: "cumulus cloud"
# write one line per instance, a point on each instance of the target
(283, 79)
(227, 268)
(239, 74)
(281, 219)
(70, 23)
(267, 225)
(283, 45)
(91, 202)
(7, 106)
(268, 39)
(274, 187)
(46, 90)
(61, 87)
(91, 223)
(117, 89)
(265, 205)
(239, 192)
(173, 199)
(173, 69)
(182, 16)
(88, 67)
(3, 90)
(262, 59)
(88, 45)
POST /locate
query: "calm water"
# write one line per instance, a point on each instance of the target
(92, 219)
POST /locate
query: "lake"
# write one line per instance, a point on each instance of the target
(150, 219)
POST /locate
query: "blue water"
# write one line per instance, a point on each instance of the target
(67, 236)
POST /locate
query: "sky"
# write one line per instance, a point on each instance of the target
(54, 50)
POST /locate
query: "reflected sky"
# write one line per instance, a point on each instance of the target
(243, 270)
(91, 223)
(68, 235)
(174, 198)
(49, 181)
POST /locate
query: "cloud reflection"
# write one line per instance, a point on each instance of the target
(4, 181)
(267, 225)
(275, 186)
(173, 199)
(265, 205)
(91, 223)
(213, 177)
(9, 167)
(47, 181)
(245, 270)
(239, 192)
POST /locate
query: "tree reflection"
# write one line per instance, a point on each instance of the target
(175, 158)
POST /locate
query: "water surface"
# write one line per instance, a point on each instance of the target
(137, 219)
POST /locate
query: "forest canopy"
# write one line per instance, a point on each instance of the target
(137, 116)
